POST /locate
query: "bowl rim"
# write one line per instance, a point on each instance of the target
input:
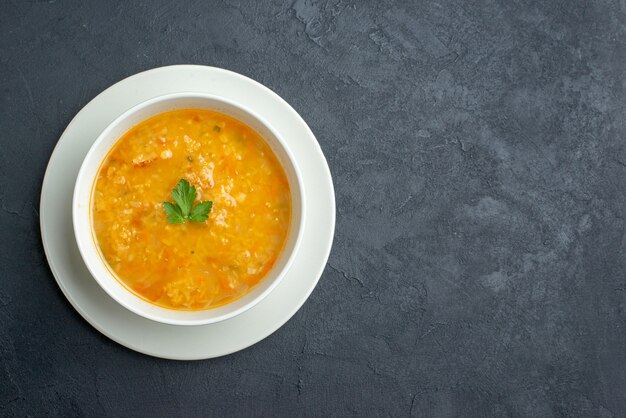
(88, 237)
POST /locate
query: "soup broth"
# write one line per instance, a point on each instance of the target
(192, 265)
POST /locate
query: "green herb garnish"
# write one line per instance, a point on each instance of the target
(184, 194)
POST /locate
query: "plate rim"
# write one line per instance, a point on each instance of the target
(274, 326)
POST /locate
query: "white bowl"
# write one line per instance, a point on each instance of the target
(82, 215)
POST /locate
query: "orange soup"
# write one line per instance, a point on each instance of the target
(191, 265)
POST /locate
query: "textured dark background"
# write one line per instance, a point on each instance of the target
(478, 150)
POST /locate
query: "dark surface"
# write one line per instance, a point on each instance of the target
(478, 151)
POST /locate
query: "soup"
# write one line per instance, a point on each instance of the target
(191, 265)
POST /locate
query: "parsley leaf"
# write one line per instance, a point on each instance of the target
(174, 215)
(184, 194)
(200, 212)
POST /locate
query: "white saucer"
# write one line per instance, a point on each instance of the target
(169, 341)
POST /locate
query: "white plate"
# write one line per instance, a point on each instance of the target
(169, 341)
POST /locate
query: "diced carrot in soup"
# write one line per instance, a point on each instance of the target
(191, 266)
